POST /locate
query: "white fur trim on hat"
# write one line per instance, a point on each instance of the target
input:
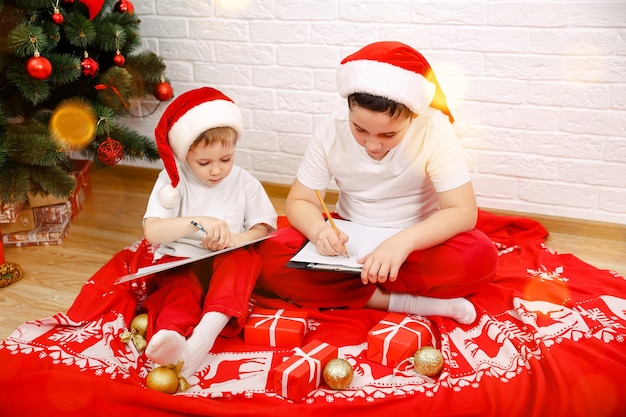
(169, 197)
(207, 115)
(388, 81)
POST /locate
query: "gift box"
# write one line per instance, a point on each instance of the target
(396, 338)
(43, 235)
(55, 214)
(81, 190)
(40, 200)
(25, 220)
(275, 327)
(301, 373)
(9, 212)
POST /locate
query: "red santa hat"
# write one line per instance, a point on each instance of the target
(394, 71)
(182, 122)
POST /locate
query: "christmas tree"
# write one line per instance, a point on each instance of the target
(67, 72)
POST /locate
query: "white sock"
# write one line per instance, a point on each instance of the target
(166, 347)
(201, 340)
(459, 309)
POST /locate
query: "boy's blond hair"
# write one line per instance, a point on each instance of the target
(215, 136)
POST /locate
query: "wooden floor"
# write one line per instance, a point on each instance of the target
(111, 220)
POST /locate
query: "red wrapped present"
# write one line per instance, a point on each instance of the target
(397, 337)
(25, 221)
(39, 236)
(275, 327)
(302, 372)
(9, 212)
(54, 214)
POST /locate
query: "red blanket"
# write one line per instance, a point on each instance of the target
(550, 340)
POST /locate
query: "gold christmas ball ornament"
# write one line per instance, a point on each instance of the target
(428, 361)
(73, 124)
(338, 373)
(139, 324)
(163, 379)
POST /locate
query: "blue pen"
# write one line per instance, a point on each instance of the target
(198, 225)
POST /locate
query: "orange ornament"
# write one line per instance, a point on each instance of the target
(73, 123)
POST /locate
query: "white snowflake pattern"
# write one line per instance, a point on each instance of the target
(77, 334)
(543, 274)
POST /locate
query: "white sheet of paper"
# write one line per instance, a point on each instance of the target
(202, 254)
(363, 240)
(183, 248)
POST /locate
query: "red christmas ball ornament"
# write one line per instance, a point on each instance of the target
(110, 152)
(163, 91)
(89, 67)
(118, 59)
(57, 17)
(68, 2)
(38, 67)
(124, 6)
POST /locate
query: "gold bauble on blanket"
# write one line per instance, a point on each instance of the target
(137, 332)
(139, 324)
(167, 379)
(163, 379)
(338, 373)
(428, 361)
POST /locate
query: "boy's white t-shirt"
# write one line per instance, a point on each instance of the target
(240, 200)
(397, 191)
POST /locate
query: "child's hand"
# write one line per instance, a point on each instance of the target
(328, 243)
(217, 234)
(384, 262)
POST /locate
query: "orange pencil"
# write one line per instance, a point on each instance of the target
(330, 219)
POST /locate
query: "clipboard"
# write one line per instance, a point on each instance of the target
(324, 267)
(142, 272)
(363, 240)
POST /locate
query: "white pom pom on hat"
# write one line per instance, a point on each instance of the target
(182, 122)
(394, 71)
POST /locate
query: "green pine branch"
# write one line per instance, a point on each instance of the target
(52, 180)
(14, 183)
(79, 31)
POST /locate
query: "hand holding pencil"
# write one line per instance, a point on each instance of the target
(330, 219)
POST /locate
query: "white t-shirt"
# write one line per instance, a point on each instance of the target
(240, 200)
(397, 191)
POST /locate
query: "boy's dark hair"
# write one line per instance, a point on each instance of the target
(379, 104)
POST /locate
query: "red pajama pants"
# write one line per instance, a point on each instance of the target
(173, 299)
(459, 267)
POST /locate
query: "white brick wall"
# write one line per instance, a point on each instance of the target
(538, 88)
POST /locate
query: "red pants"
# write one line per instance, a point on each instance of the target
(175, 297)
(459, 267)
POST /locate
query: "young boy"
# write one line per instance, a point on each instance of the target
(203, 196)
(397, 163)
